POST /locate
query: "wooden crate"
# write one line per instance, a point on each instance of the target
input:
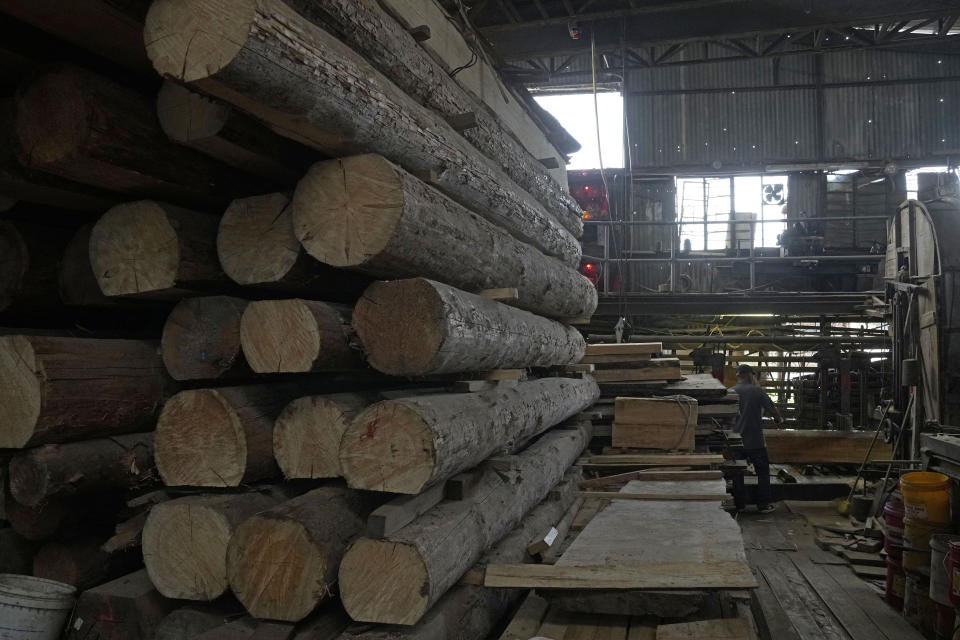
(655, 423)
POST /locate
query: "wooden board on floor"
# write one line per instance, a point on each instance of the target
(597, 627)
(655, 575)
(527, 620)
(815, 446)
(717, 629)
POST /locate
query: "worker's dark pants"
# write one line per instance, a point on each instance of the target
(761, 464)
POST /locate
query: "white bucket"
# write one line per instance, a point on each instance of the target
(33, 608)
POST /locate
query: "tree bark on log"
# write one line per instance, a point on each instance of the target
(222, 437)
(121, 462)
(82, 563)
(307, 433)
(367, 28)
(83, 127)
(420, 327)
(62, 389)
(365, 212)
(217, 130)
(201, 339)
(396, 580)
(283, 562)
(128, 608)
(298, 336)
(185, 541)
(155, 250)
(273, 63)
(257, 247)
(77, 283)
(409, 444)
(29, 264)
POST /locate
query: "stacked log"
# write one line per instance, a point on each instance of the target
(201, 339)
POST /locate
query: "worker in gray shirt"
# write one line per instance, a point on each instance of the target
(753, 402)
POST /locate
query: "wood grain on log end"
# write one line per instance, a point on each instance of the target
(14, 262)
(184, 548)
(378, 580)
(306, 438)
(134, 249)
(400, 336)
(21, 391)
(296, 336)
(193, 39)
(201, 337)
(346, 210)
(275, 568)
(200, 441)
(388, 447)
(186, 116)
(255, 241)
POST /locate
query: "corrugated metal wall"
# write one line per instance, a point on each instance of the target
(751, 113)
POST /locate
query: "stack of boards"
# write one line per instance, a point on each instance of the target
(667, 423)
(631, 362)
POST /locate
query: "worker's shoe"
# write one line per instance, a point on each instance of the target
(767, 509)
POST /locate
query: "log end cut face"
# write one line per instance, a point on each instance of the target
(388, 447)
(306, 438)
(134, 249)
(21, 391)
(276, 570)
(186, 116)
(185, 549)
(280, 336)
(14, 262)
(28, 478)
(193, 39)
(201, 337)
(385, 582)
(401, 326)
(345, 211)
(200, 441)
(255, 241)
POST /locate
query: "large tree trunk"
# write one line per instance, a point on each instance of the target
(222, 437)
(298, 336)
(419, 327)
(155, 250)
(62, 389)
(257, 247)
(128, 608)
(270, 61)
(366, 213)
(367, 28)
(29, 264)
(82, 563)
(217, 130)
(307, 433)
(120, 462)
(83, 127)
(283, 562)
(201, 339)
(185, 541)
(407, 445)
(396, 580)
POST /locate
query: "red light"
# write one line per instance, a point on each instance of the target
(588, 267)
(586, 188)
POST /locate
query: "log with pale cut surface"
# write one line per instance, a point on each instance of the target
(219, 131)
(421, 327)
(368, 28)
(119, 462)
(201, 339)
(84, 127)
(283, 562)
(298, 336)
(268, 60)
(366, 213)
(222, 437)
(396, 580)
(155, 250)
(257, 247)
(185, 540)
(62, 389)
(409, 444)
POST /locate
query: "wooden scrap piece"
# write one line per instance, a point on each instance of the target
(674, 575)
(401, 511)
(527, 620)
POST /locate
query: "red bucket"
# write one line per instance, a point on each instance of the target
(896, 582)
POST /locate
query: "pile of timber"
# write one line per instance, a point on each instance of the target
(277, 365)
(667, 423)
(632, 362)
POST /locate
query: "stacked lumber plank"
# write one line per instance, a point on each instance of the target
(291, 313)
(631, 362)
(655, 423)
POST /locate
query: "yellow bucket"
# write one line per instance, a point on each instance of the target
(926, 496)
(916, 542)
